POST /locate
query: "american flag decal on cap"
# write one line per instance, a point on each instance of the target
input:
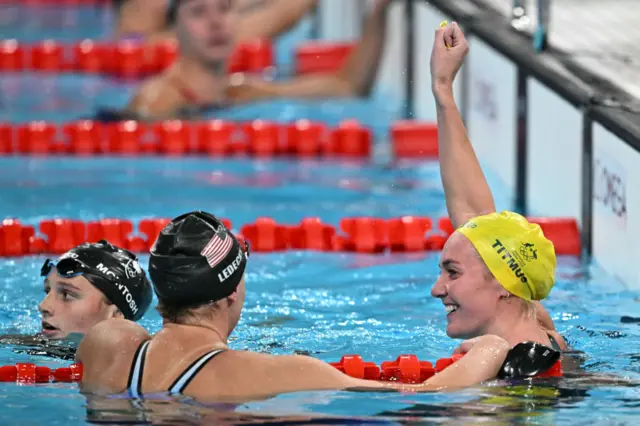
(217, 248)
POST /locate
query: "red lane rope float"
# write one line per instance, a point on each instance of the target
(258, 138)
(69, 3)
(132, 59)
(354, 234)
(404, 369)
(27, 373)
(124, 58)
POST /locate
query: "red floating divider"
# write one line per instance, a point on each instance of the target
(113, 230)
(255, 56)
(28, 373)
(89, 57)
(6, 139)
(122, 58)
(47, 56)
(306, 139)
(414, 139)
(407, 369)
(62, 235)
(11, 56)
(351, 139)
(264, 138)
(174, 137)
(258, 138)
(408, 233)
(359, 234)
(266, 235)
(354, 366)
(319, 57)
(127, 59)
(36, 138)
(215, 137)
(363, 235)
(404, 369)
(84, 137)
(563, 232)
(312, 234)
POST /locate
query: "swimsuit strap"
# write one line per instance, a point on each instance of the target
(134, 384)
(554, 343)
(181, 383)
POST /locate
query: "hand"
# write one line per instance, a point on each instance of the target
(486, 341)
(449, 50)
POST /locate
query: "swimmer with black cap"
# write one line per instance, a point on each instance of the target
(496, 267)
(197, 267)
(91, 283)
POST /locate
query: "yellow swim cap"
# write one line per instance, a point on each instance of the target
(516, 252)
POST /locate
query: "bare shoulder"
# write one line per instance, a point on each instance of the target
(156, 97)
(109, 336)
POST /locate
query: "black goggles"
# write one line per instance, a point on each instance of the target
(67, 267)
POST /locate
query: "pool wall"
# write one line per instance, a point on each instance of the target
(560, 139)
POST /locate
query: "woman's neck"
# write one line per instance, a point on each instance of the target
(205, 331)
(524, 328)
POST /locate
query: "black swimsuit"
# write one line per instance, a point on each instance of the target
(554, 343)
(134, 385)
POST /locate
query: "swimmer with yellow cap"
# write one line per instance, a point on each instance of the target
(496, 267)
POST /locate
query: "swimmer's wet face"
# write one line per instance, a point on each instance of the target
(470, 293)
(204, 29)
(72, 305)
(88, 274)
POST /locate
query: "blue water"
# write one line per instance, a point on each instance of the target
(325, 305)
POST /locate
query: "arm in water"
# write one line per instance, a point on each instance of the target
(108, 350)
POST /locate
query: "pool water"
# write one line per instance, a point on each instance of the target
(321, 304)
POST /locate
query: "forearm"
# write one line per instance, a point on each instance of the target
(268, 19)
(361, 67)
(466, 189)
(480, 364)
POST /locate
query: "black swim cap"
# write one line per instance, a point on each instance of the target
(114, 271)
(196, 260)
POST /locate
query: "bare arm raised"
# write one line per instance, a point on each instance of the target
(465, 186)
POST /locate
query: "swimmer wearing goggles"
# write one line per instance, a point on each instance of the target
(496, 267)
(197, 268)
(91, 283)
(88, 284)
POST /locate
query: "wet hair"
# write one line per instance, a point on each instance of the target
(527, 306)
(178, 314)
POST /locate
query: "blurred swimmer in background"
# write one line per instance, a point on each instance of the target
(198, 80)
